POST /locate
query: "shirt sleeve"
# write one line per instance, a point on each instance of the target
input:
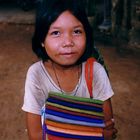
(34, 97)
(102, 88)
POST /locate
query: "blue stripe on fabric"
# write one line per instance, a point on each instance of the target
(64, 135)
(73, 117)
(75, 105)
(69, 121)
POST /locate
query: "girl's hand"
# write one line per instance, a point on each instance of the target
(110, 134)
(109, 131)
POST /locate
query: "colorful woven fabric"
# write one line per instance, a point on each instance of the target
(76, 101)
(73, 112)
(74, 105)
(70, 121)
(75, 109)
(79, 137)
(69, 117)
(75, 98)
(73, 117)
(74, 127)
(52, 137)
(74, 132)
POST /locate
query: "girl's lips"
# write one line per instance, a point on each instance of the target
(68, 54)
(71, 53)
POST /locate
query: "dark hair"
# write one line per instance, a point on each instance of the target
(48, 11)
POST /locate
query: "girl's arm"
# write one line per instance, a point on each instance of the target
(109, 131)
(34, 126)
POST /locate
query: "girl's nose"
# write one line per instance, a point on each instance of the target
(68, 41)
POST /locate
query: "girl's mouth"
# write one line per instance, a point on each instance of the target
(67, 54)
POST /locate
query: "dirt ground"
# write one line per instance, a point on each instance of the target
(15, 58)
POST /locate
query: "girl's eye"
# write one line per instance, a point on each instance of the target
(55, 33)
(78, 31)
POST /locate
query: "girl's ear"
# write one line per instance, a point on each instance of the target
(42, 44)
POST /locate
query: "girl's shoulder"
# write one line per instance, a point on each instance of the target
(35, 68)
(96, 66)
(98, 70)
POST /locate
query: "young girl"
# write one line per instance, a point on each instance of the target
(63, 41)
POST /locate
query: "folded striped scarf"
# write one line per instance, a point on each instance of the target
(68, 117)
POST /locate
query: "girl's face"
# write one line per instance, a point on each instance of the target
(66, 40)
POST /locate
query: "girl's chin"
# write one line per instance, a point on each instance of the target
(66, 63)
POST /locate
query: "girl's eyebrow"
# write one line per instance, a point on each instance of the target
(59, 27)
(78, 26)
(55, 27)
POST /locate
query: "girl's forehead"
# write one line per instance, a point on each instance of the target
(67, 19)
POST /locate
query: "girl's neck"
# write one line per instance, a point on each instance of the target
(66, 77)
(61, 68)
